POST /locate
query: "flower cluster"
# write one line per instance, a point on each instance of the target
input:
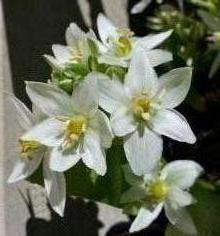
(102, 89)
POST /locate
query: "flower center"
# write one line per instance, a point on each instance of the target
(141, 107)
(158, 191)
(75, 127)
(123, 46)
(28, 148)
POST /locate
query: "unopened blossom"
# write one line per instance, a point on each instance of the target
(119, 44)
(167, 188)
(76, 129)
(141, 110)
(29, 153)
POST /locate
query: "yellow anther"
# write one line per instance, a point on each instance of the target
(29, 148)
(141, 107)
(123, 46)
(158, 191)
(75, 127)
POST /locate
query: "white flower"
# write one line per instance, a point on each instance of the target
(119, 44)
(167, 188)
(76, 51)
(76, 129)
(29, 153)
(142, 110)
(140, 6)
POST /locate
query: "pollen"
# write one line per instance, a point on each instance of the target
(75, 128)
(28, 148)
(158, 191)
(141, 107)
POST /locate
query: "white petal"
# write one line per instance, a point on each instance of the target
(172, 124)
(55, 186)
(112, 94)
(49, 99)
(49, 132)
(74, 34)
(182, 174)
(140, 6)
(180, 198)
(23, 115)
(152, 41)
(141, 77)
(176, 85)
(104, 128)
(24, 168)
(157, 57)
(105, 28)
(181, 219)
(112, 60)
(143, 151)
(144, 218)
(85, 95)
(122, 122)
(53, 62)
(94, 156)
(62, 53)
(134, 194)
(61, 161)
(131, 178)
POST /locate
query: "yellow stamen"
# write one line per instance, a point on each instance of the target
(158, 191)
(75, 127)
(141, 107)
(29, 148)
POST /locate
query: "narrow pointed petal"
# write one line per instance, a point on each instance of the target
(94, 155)
(182, 174)
(49, 132)
(49, 99)
(152, 41)
(144, 218)
(23, 115)
(61, 161)
(140, 6)
(157, 57)
(62, 53)
(105, 130)
(141, 77)
(134, 194)
(85, 95)
(122, 122)
(176, 85)
(53, 62)
(143, 151)
(181, 220)
(105, 28)
(55, 186)
(172, 124)
(24, 168)
(112, 94)
(180, 198)
(74, 34)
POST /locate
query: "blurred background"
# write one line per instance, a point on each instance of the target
(30, 27)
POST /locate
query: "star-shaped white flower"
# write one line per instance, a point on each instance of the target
(76, 129)
(76, 51)
(119, 45)
(166, 189)
(141, 110)
(29, 153)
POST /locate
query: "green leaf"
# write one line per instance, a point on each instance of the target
(205, 212)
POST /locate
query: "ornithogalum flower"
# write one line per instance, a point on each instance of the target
(166, 188)
(76, 129)
(141, 110)
(29, 153)
(119, 44)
